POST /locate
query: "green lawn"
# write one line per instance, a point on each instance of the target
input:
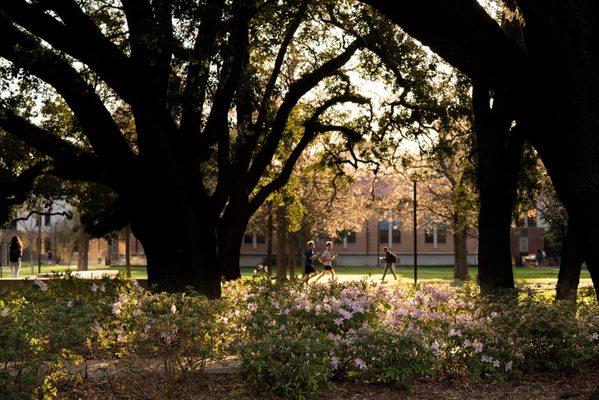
(430, 274)
(444, 274)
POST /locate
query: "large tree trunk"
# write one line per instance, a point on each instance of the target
(177, 229)
(571, 264)
(231, 230)
(460, 252)
(499, 150)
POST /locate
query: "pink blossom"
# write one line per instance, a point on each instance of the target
(435, 346)
(334, 362)
(508, 365)
(360, 363)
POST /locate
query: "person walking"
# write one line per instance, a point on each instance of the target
(327, 258)
(15, 253)
(539, 257)
(309, 254)
(390, 260)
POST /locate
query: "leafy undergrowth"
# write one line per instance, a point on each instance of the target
(292, 340)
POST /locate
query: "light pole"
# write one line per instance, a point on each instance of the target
(415, 239)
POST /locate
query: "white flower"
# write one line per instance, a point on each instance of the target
(116, 308)
(467, 343)
(94, 287)
(435, 346)
(41, 285)
(136, 312)
(70, 303)
(494, 314)
(496, 363)
(593, 337)
(338, 321)
(102, 287)
(173, 309)
(252, 306)
(4, 312)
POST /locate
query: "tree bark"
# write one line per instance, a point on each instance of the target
(281, 244)
(571, 264)
(231, 230)
(460, 252)
(83, 250)
(498, 151)
(128, 251)
(291, 243)
(177, 229)
(269, 236)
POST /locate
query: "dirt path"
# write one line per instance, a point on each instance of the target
(540, 386)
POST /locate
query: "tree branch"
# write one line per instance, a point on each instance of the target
(199, 67)
(78, 36)
(311, 129)
(97, 123)
(463, 34)
(295, 93)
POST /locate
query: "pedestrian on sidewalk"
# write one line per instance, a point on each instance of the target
(390, 260)
(15, 253)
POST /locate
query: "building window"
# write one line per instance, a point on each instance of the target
(441, 233)
(351, 237)
(429, 236)
(248, 238)
(383, 232)
(47, 220)
(260, 239)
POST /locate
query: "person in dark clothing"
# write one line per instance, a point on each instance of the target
(15, 254)
(390, 260)
(309, 254)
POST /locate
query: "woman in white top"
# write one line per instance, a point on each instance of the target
(327, 258)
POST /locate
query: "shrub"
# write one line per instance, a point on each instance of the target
(289, 361)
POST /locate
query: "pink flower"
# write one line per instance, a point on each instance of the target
(508, 365)
(435, 346)
(338, 321)
(478, 347)
(252, 307)
(94, 287)
(360, 363)
(136, 312)
(166, 337)
(334, 362)
(467, 343)
(496, 363)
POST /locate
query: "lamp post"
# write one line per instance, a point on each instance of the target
(415, 238)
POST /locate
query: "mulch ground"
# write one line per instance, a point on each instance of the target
(554, 385)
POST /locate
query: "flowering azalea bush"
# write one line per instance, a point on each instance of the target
(292, 339)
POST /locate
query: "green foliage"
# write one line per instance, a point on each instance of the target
(292, 339)
(290, 361)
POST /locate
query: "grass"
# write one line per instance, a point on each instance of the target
(428, 274)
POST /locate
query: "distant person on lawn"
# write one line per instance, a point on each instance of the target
(540, 257)
(15, 253)
(309, 254)
(327, 258)
(390, 260)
